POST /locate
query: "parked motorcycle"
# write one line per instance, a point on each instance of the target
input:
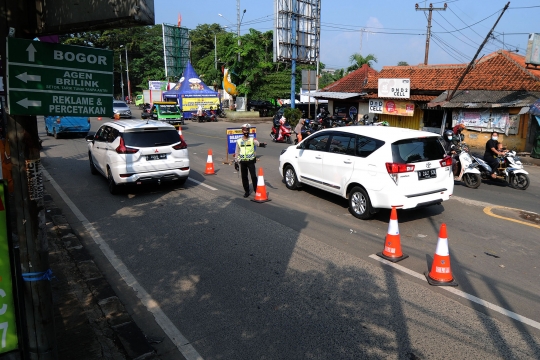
(510, 169)
(210, 116)
(465, 169)
(285, 129)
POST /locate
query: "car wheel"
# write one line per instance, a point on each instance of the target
(359, 204)
(472, 180)
(289, 141)
(519, 181)
(93, 169)
(113, 187)
(55, 134)
(289, 176)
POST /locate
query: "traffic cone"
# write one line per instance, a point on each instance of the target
(392, 242)
(260, 194)
(99, 118)
(441, 273)
(180, 133)
(116, 116)
(209, 164)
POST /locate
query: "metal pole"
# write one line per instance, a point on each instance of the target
(121, 76)
(238, 27)
(215, 51)
(294, 53)
(127, 76)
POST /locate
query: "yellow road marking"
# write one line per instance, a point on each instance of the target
(488, 211)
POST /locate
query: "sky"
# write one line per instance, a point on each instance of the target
(392, 30)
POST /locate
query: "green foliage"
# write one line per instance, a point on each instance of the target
(402, 63)
(358, 60)
(328, 78)
(292, 116)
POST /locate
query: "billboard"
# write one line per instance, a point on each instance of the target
(175, 50)
(394, 88)
(533, 50)
(157, 85)
(297, 26)
(391, 107)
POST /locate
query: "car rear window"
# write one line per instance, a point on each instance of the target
(120, 105)
(417, 150)
(151, 138)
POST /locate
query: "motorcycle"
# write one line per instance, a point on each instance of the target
(210, 116)
(324, 120)
(465, 169)
(221, 113)
(146, 107)
(286, 132)
(510, 170)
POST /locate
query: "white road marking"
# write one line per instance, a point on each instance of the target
(202, 184)
(151, 305)
(463, 294)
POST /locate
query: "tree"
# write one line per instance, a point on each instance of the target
(358, 60)
(402, 63)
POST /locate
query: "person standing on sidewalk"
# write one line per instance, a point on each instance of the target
(245, 155)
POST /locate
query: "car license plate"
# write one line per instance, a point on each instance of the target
(427, 174)
(156, 157)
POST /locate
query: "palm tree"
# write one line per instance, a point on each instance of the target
(358, 60)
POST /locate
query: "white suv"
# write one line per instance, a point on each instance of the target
(138, 152)
(372, 166)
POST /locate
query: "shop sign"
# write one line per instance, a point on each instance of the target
(394, 88)
(391, 107)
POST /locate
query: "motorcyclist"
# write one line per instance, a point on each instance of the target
(282, 122)
(450, 147)
(491, 153)
(301, 129)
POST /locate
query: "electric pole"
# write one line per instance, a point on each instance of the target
(428, 35)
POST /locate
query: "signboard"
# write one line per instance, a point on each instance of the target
(53, 79)
(352, 112)
(8, 330)
(486, 120)
(234, 134)
(192, 103)
(394, 88)
(533, 50)
(157, 85)
(391, 107)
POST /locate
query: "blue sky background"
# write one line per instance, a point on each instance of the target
(393, 30)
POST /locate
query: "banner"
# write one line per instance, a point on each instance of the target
(488, 120)
(391, 107)
(8, 326)
(192, 103)
(157, 85)
(234, 134)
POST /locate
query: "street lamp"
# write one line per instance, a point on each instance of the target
(127, 73)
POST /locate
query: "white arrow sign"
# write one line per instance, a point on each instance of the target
(31, 51)
(25, 77)
(26, 103)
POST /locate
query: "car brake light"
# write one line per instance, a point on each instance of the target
(446, 161)
(180, 146)
(394, 168)
(123, 149)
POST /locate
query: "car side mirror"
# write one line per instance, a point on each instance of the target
(89, 138)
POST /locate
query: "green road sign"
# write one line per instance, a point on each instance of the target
(53, 79)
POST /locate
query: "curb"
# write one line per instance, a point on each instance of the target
(81, 287)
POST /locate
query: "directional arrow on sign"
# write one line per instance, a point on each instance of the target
(26, 78)
(26, 103)
(31, 51)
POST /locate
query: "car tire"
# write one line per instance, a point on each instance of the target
(93, 169)
(472, 181)
(55, 134)
(359, 203)
(113, 187)
(290, 178)
(289, 141)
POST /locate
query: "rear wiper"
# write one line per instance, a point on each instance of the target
(419, 160)
(161, 144)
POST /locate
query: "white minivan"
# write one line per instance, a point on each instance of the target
(374, 167)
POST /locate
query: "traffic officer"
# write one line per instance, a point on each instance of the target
(245, 155)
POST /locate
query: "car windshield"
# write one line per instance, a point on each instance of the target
(417, 150)
(151, 138)
(168, 110)
(120, 105)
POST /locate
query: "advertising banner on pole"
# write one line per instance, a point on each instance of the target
(234, 134)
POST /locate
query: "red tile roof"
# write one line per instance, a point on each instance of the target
(353, 82)
(501, 70)
(413, 97)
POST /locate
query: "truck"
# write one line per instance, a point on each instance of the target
(148, 97)
(59, 125)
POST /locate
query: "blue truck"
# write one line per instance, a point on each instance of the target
(62, 125)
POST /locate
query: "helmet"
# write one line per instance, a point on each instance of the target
(306, 122)
(448, 133)
(246, 127)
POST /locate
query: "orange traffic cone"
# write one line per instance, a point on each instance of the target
(441, 274)
(180, 133)
(99, 118)
(260, 194)
(392, 242)
(209, 164)
(116, 116)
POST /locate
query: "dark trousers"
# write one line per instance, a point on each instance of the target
(244, 167)
(493, 162)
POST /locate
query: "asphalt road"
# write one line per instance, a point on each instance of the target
(294, 277)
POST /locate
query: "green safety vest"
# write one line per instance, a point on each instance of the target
(247, 149)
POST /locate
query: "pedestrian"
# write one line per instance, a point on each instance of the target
(245, 158)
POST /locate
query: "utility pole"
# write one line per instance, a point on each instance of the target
(450, 95)
(127, 77)
(428, 35)
(121, 77)
(361, 37)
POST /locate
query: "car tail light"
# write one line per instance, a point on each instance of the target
(180, 146)
(446, 161)
(123, 149)
(394, 169)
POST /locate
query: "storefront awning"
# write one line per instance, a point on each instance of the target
(335, 95)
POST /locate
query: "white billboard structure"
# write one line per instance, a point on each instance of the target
(533, 50)
(297, 30)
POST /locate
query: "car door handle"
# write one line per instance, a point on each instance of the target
(347, 161)
(318, 157)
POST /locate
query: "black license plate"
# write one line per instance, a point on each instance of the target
(427, 174)
(156, 157)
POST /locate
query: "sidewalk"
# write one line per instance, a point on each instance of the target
(90, 321)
